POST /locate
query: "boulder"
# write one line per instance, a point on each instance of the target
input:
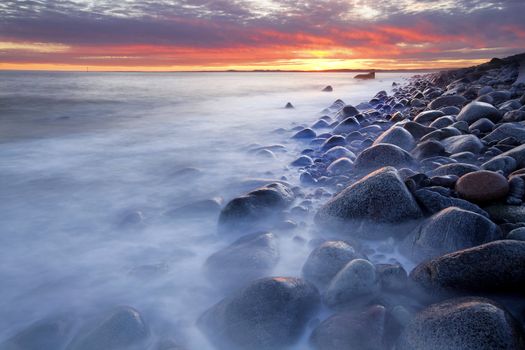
(462, 324)
(268, 313)
(122, 328)
(477, 110)
(514, 130)
(255, 207)
(340, 166)
(349, 111)
(428, 149)
(518, 153)
(358, 279)
(333, 141)
(328, 88)
(325, 261)
(248, 258)
(428, 117)
(434, 202)
(417, 130)
(502, 213)
(458, 169)
(448, 100)
(518, 234)
(441, 134)
(339, 152)
(289, 105)
(305, 134)
(352, 330)
(482, 186)
(393, 277)
(380, 197)
(302, 161)
(449, 230)
(462, 143)
(397, 136)
(442, 122)
(488, 268)
(483, 125)
(502, 163)
(347, 125)
(381, 155)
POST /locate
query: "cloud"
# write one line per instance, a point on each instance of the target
(182, 32)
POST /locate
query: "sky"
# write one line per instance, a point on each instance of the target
(257, 34)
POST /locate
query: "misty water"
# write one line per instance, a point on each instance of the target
(92, 164)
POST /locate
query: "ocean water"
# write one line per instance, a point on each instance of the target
(84, 156)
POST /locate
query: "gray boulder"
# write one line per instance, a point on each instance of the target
(477, 110)
(325, 261)
(340, 166)
(417, 130)
(449, 100)
(397, 136)
(428, 149)
(449, 230)
(488, 268)
(483, 125)
(462, 143)
(268, 313)
(428, 117)
(518, 153)
(248, 258)
(120, 329)
(434, 202)
(358, 279)
(515, 130)
(462, 324)
(381, 155)
(255, 207)
(380, 197)
(442, 122)
(305, 134)
(339, 152)
(347, 125)
(458, 169)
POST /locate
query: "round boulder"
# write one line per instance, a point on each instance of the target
(381, 155)
(477, 110)
(397, 136)
(462, 324)
(268, 313)
(482, 186)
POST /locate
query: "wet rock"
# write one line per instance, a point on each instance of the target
(450, 100)
(434, 202)
(462, 324)
(393, 277)
(347, 125)
(339, 152)
(340, 166)
(417, 130)
(248, 258)
(427, 149)
(464, 157)
(397, 136)
(516, 190)
(482, 186)
(458, 169)
(332, 142)
(268, 313)
(49, 333)
(325, 261)
(382, 155)
(477, 110)
(351, 330)
(449, 230)
(256, 206)
(441, 134)
(488, 268)
(328, 88)
(320, 124)
(514, 130)
(305, 134)
(500, 96)
(289, 105)
(120, 329)
(450, 110)
(442, 122)
(349, 111)
(302, 161)
(518, 153)
(518, 234)
(501, 213)
(358, 279)
(428, 117)
(483, 125)
(503, 163)
(445, 181)
(380, 197)
(462, 143)
(514, 116)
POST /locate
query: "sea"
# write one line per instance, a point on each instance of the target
(91, 165)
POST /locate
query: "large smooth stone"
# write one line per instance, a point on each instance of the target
(502, 163)
(462, 143)
(334, 141)
(381, 155)
(305, 134)
(462, 324)
(442, 122)
(120, 329)
(380, 197)
(515, 130)
(518, 153)
(449, 230)
(434, 202)
(269, 313)
(483, 125)
(248, 258)
(358, 279)
(339, 152)
(428, 117)
(347, 125)
(325, 261)
(397, 136)
(351, 330)
(256, 206)
(492, 268)
(445, 101)
(340, 166)
(482, 186)
(428, 149)
(502, 213)
(417, 130)
(458, 169)
(477, 110)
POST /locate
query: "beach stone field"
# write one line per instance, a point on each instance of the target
(415, 201)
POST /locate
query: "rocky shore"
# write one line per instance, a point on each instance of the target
(433, 173)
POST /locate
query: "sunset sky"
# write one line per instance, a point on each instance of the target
(250, 34)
